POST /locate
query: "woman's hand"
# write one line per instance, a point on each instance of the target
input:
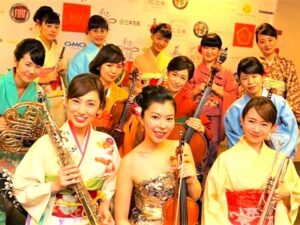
(3, 124)
(196, 124)
(68, 175)
(106, 217)
(282, 193)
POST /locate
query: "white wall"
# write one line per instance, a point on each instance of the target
(220, 16)
(287, 19)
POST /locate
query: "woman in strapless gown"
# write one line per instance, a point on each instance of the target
(146, 177)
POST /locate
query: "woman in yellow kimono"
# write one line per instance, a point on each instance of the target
(153, 63)
(43, 187)
(108, 65)
(48, 23)
(239, 176)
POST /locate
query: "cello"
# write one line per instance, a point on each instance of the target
(187, 211)
(196, 140)
(120, 113)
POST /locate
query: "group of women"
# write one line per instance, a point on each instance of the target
(133, 183)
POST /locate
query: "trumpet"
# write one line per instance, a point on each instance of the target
(266, 206)
(24, 129)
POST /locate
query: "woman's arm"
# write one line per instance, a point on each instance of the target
(123, 193)
(189, 172)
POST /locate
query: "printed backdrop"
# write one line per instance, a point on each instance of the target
(130, 20)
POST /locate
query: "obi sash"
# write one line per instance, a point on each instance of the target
(242, 207)
(67, 205)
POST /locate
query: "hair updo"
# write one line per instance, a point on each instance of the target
(151, 94)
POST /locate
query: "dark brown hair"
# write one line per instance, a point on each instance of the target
(85, 83)
(264, 107)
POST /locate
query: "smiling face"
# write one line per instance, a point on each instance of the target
(97, 36)
(177, 80)
(158, 121)
(252, 83)
(109, 72)
(266, 44)
(255, 128)
(159, 43)
(210, 54)
(26, 70)
(82, 110)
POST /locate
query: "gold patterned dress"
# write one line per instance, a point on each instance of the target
(149, 197)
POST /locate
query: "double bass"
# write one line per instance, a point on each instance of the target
(120, 112)
(180, 209)
(197, 140)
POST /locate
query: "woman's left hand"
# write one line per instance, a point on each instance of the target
(196, 124)
(106, 217)
(281, 193)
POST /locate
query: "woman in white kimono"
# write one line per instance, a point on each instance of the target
(44, 188)
(239, 175)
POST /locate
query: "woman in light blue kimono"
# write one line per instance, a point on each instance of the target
(96, 31)
(250, 72)
(17, 86)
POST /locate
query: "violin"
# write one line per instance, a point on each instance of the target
(187, 211)
(196, 140)
(120, 113)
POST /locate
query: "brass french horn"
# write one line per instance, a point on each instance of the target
(25, 126)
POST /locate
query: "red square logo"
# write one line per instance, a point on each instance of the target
(243, 35)
(75, 17)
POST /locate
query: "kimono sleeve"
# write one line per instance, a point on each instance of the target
(215, 209)
(233, 129)
(29, 183)
(287, 126)
(109, 185)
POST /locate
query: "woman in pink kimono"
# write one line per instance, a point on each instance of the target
(45, 189)
(239, 176)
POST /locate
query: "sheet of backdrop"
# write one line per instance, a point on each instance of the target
(130, 20)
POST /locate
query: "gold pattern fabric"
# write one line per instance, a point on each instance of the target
(149, 197)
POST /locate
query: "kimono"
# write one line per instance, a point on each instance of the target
(236, 181)
(286, 123)
(215, 106)
(152, 67)
(284, 71)
(8, 98)
(81, 61)
(32, 188)
(113, 95)
(55, 89)
(185, 108)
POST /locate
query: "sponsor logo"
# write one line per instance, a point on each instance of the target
(266, 12)
(128, 49)
(130, 22)
(75, 44)
(19, 13)
(200, 29)
(180, 4)
(179, 28)
(106, 15)
(247, 8)
(156, 3)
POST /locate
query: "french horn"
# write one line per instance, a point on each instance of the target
(25, 126)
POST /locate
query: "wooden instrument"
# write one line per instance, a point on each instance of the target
(120, 113)
(196, 140)
(187, 211)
